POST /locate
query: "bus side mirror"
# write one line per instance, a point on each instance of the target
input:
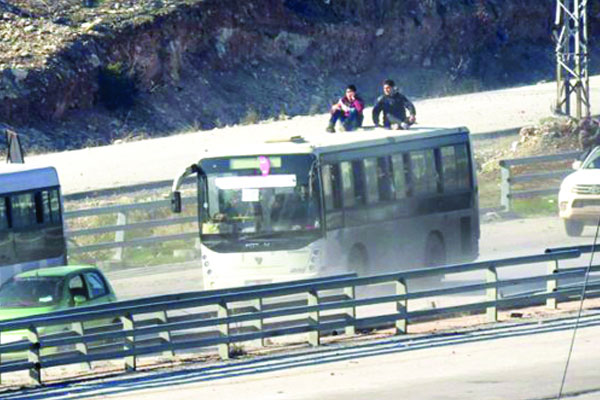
(176, 201)
(576, 164)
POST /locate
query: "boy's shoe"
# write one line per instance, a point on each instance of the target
(330, 129)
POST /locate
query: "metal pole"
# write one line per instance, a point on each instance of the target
(572, 76)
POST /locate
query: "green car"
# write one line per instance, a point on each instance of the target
(51, 289)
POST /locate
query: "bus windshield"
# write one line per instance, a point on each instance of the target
(260, 197)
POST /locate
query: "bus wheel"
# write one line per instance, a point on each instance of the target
(573, 228)
(435, 251)
(358, 261)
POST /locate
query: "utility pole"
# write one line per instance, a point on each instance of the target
(571, 36)
(572, 15)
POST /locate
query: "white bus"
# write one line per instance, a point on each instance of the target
(31, 223)
(364, 201)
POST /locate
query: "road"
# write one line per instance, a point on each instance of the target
(513, 361)
(498, 240)
(163, 158)
(514, 367)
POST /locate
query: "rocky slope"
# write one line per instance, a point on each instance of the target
(87, 72)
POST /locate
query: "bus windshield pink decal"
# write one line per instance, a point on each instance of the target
(265, 165)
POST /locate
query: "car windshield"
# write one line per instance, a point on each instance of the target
(593, 161)
(30, 292)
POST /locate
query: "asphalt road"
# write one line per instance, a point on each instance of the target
(499, 239)
(516, 368)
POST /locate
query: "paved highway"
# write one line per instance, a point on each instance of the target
(498, 240)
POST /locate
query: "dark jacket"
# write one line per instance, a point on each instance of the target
(394, 104)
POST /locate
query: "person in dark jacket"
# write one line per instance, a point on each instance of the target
(394, 105)
(348, 110)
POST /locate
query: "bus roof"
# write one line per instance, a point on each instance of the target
(317, 142)
(20, 177)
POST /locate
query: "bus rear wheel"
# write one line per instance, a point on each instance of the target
(358, 261)
(435, 251)
(573, 228)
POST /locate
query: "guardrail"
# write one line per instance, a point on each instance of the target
(122, 225)
(223, 319)
(507, 178)
(121, 215)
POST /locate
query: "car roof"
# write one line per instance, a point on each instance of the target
(57, 271)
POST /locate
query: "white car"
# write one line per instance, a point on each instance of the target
(579, 196)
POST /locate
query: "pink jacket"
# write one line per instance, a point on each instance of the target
(346, 105)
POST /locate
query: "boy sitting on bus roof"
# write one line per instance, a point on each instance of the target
(348, 110)
(394, 105)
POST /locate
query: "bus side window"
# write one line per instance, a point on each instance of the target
(385, 179)
(400, 187)
(22, 208)
(448, 156)
(331, 187)
(39, 208)
(54, 206)
(437, 158)
(463, 172)
(423, 173)
(347, 184)
(359, 182)
(3, 214)
(370, 165)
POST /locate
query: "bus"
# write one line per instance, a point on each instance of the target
(31, 222)
(367, 201)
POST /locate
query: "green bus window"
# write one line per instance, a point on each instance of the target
(423, 173)
(399, 176)
(463, 172)
(347, 184)
(370, 165)
(448, 155)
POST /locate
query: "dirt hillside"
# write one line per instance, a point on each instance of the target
(79, 73)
